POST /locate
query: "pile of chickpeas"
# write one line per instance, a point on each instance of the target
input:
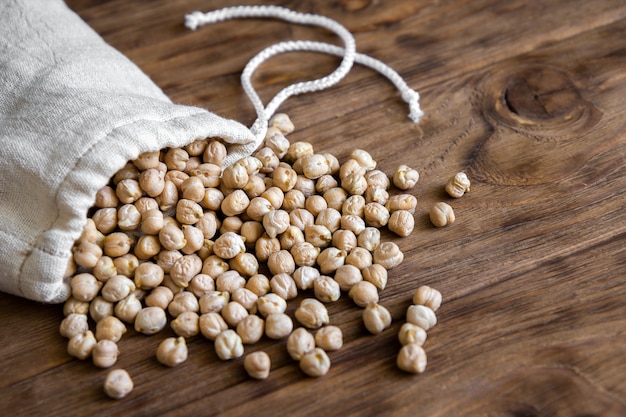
(176, 239)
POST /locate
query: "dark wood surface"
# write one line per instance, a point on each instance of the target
(527, 97)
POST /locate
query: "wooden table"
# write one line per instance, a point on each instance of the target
(527, 97)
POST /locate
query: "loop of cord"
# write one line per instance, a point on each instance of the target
(410, 96)
(259, 128)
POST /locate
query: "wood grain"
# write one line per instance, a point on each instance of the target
(526, 97)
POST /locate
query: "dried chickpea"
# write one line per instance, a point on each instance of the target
(401, 222)
(117, 244)
(104, 353)
(271, 304)
(291, 237)
(315, 363)
(128, 308)
(257, 365)
(458, 185)
(229, 281)
(344, 240)
(268, 158)
(299, 342)
(421, 316)
(146, 203)
(412, 358)
(172, 351)
(312, 314)
(376, 274)
(147, 246)
(254, 187)
(441, 214)
(233, 313)
(169, 196)
(100, 308)
(376, 195)
(330, 259)
(81, 345)
(284, 178)
(293, 199)
(117, 287)
(126, 265)
(128, 171)
(318, 235)
(329, 338)
(284, 286)
(353, 206)
(405, 177)
(315, 204)
(214, 266)
(186, 324)
(176, 159)
(353, 223)
(87, 254)
(235, 176)
(118, 384)
(335, 197)
(246, 264)
(388, 254)
(305, 185)
(363, 293)
(276, 141)
(152, 182)
(411, 333)
(214, 153)
(211, 325)
(359, 257)
(329, 217)
(228, 345)
(282, 122)
(128, 191)
(301, 218)
(194, 238)
(185, 268)
(275, 222)
(167, 282)
(406, 202)
(201, 284)
(278, 325)
(208, 173)
(326, 289)
(176, 177)
(376, 215)
(369, 238)
(376, 318)
(106, 197)
(197, 147)
(110, 328)
(333, 163)
(85, 287)
(160, 296)
(105, 220)
(188, 211)
(354, 184)
(207, 224)
(297, 150)
(251, 328)
(304, 277)
(258, 208)
(428, 297)
(229, 245)
(350, 167)
(265, 246)
(213, 301)
(251, 231)
(347, 275)
(166, 259)
(259, 284)
(325, 183)
(150, 320)
(183, 301)
(128, 217)
(104, 269)
(73, 324)
(212, 199)
(235, 203)
(281, 262)
(314, 166)
(152, 221)
(363, 158)
(304, 254)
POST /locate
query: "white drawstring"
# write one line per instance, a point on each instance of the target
(348, 54)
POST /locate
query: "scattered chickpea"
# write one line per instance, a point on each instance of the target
(118, 384)
(106, 197)
(304, 277)
(211, 325)
(388, 254)
(276, 141)
(73, 324)
(229, 281)
(325, 183)
(228, 345)
(428, 297)
(300, 342)
(401, 222)
(185, 268)
(72, 305)
(104, 353)
(275, 222)
(105, 220)
(186, 324)
(117, 288)
(100, 308)
(412, 358)
(330, 259)
(271, 304)
(110, 328)
(172, 351)
(150, 320)
(458, 185)
(278, 325)
(405, 177)
(376, 215)
(159, 297)
(441, 214)
(257, 365)
(183, 301)
(347, 276)
(317, 235)
(87, 254)
(359, 257)
(304, 254)
(411, 333)
(376, 274)
(283, 285)
(326, 289)
(376, 318)
(421, 316)
(229, 245)
(312, 314)
(81, 345)
(128, 308)
(233, 313)
(315, 363)
(344, 240)
(329, 338)
(259, 284)
(251, 328)
(128, 217)
(406, 202)
(85, 287)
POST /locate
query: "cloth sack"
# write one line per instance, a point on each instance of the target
(73, 111)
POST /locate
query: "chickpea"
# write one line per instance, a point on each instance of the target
(326, 289)
(344, 240)
(257, 365)
(211, 325)
(305, 185)
(314, 166)
(105, 220)
(194, 238)
(441, 214)
(85, 287)
(335, 197)
(359, 257)
(228, 345)
(297, 150)
(304, 254)
(129, 171)
(271, 304)
(235, 203)
(128, 308)
(276, 141)
(401, 222)
(412, 358)
(354, 184)
(72, 305)
(150, 320)
(188, 211)
(73, 324)
(329, 338)
(152, 181)
(376, 318)
(369, 238)
(282, 122)
(183, 301)
(128, 191)
(329, 217)
(347, 276)
(233, 313)
(176, 159)
(235, 176)
(428, 297)
(166, 259)
(81, 345)
(118, 384)
(421, 316)
(376, 274)
(410, 333)
(254, 187)
(259, 284)
(117, 244)
(405, 177)
(184, 269)
(291, 237)
(284, 286)
(401, 202)
(152, 221)
(117, 288)
(330, 259)
(229, 245)
(207, 224)
(350, 167)
(100, 308)
(275, 222)
(201, 284)
(363, 158)
(208, 173)
(312, 314)
(363, 293)
(318, 235)
(212, 199)
(213, 301)
(458, 185)
(87, 254)
(214, 266)
(325, 183)
(293, 199)
(110, 328)
(172, 351)
(126, 265)
(251, 328)
(376, 215)
(229, 281)
(304, 277)
(281, 262)
(315, 363)
(105, 197)
(315, 204)
(146, 203)
(214, 153)
(299, 342)
(186, 324)
(104, 269)
(265, 246)
(258, 208)
(104, 354)
(169, 196)
(245, 264)
(388, 254)
(301, 218)
(128, 217)
(278, 325)
(268, 158)
(353, 206)
(251, 231)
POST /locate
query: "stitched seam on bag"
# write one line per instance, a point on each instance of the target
(31, 246)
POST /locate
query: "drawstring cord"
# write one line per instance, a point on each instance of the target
(347, 53)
